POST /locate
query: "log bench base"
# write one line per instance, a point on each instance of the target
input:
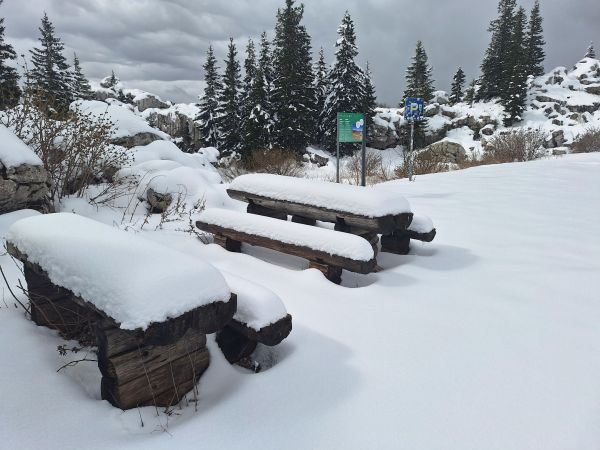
(399, 241)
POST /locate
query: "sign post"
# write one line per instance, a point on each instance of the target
(351, 128)
(413, 112)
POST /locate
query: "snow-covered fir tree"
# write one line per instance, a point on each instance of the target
(9, 78)
(260, 122)
(50, 77)
(321, 71)
(369, 100)
(81, 86)
(535, 42)
(515, 96)
(230, 104)
(346, 85)
(249, 78)
(458, 83)
(591, 52)
(471, 92)
(495, 69)
(208, 116)
(418, 75)
(293, 92)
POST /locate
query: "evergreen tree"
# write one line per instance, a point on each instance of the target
(293, 95)
(495, 69)
(229, 103)
(370, 101)
(535, 42)
(514, 98)
(458, 82)
(249, 66)
(50, 75)
(9, 79)
(590, 53)
(470, 93)
(346, 85)
(208, 116)
(81, 86)
(260, 123)
(418, 76)
(321, 88)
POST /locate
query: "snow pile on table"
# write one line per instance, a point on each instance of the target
(133, 280)
(421, 224)
(14, 152)
(257, 306)
(320, 239)
(337, 197)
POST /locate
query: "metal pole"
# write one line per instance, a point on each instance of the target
(337, 170)
(412, 149)
(364, 153)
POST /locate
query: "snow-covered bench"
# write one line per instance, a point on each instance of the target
(327, 250)
(420, 229)
(147, 307)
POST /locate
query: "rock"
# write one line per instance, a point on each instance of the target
(584, 108)
(488, 130)
(383, 136)
(440, 97)
(557, 122)
(559, 151)
(136, 140)
(149, 101)
(159, 203)
(449, 113)
(556, 140)
(176, 125)
(593, 89)
(449, 151)
(320, 161)
(23, 187)
(432, 110)
(546, 99)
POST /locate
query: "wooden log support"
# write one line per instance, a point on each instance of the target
(270, 335)
(258, 209)
(332, 273)
(303, 220)
(228, 244)
(370, 236)
(396, 243)
(234, 345)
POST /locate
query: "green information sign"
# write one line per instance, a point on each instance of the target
(351, 127)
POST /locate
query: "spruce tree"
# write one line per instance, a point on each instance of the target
(9, 79)
(369, 100)
(229, 103)
(321, 88)
(470, 93)
(209, 113)
(418, 76)
(458, 82)
(590, 53)
(50, 75)
(260, 123)
(346, 82)
(515, 96)
(535, 42)
(495, 71)
(293, 94)
(81, 86)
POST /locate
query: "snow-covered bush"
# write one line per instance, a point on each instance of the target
(587, 142)
(516, 145)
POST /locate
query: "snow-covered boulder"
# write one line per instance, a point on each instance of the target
(176, 120)
(24, 183)
(449, 151)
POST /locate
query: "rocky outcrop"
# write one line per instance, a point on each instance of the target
(149, 101)
(159, 203)
(24, 186)
(136, 140)
(447, 151)
(382, 137)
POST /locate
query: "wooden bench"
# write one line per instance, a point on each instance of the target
(326, 250)
(365, 212)
(146, 307)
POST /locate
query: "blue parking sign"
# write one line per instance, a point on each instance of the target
(415, 107)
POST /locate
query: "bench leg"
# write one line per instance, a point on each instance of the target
(397, 243)
(228, 244)
(259, 210)
(237, 348)
(304, 220)
(333, 274)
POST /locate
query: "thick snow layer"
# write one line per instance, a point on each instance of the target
(257, 306)
(190, 110)
(328, 241)
(133, 280)
(14, 152)
(421, 224)
(127, 123)
(339, 197)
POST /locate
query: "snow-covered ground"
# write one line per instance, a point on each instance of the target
(487, 338)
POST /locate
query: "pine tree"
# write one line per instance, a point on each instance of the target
(81, 86)
(293, 95)
(321, 88)
(514, 98)
(346, 85)
(535, 42)
(208, 117)
(260, 123)
(230, 105)
(458, 82)
(369, 101)
(471, 92)
(418, 76)
(9, 79)
(590, 53)
(495, 71)
(50, 75)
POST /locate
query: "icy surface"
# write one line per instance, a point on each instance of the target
(339, 197)
(14, 152)
(328, 241)
(133, 280)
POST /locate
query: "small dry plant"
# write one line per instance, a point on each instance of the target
(587, 142)
(516, 145)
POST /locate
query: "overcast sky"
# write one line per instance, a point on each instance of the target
(160, 45)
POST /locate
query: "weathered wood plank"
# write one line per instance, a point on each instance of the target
(382, 225)
(228, 244)
(270, 335)
(260, 210)
(332, 273)
(304, 220)
(315, 256)
(397, 244)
